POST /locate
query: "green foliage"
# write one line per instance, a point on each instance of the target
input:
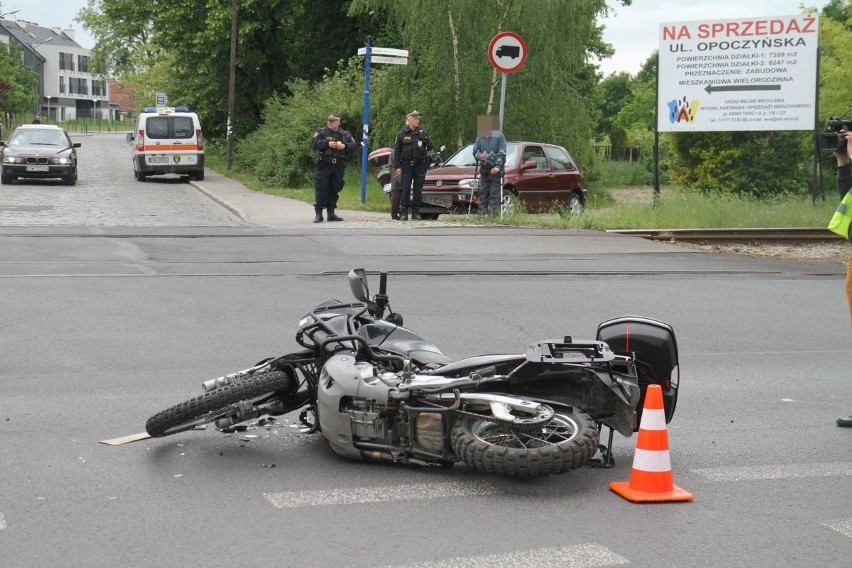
(451, 81)
(637, 110)
(278, 152)
(747, 163)
(17, 81)
(611, 94)
(183, 48)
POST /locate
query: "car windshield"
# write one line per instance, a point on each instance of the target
(38, 138)
(464, 157)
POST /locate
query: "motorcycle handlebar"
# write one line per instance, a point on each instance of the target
(383, 283)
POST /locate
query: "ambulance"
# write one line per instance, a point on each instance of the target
(167, 141)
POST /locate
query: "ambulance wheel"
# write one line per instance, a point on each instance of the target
(197, 176)
(140, 176)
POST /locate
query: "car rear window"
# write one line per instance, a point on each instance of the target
(158, 127)
(559, 159)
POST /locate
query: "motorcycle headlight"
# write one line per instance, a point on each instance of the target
(469, 184)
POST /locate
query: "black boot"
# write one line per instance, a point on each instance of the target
(416, 214)
(318, 218)
(404, 216)
(332, 216)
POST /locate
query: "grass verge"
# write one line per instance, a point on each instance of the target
(676, 208)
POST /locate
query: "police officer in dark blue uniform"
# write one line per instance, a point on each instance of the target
(410, 154)
(332, 144)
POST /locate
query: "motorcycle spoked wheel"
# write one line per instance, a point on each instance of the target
(567, 442)
(219, 403)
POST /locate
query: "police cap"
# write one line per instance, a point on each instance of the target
(333, 118)
(413, 113)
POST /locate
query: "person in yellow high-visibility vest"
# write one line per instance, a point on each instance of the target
(844, 184)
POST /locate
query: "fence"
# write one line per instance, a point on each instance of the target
(617, 153)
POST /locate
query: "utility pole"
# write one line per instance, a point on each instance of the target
(231, 85)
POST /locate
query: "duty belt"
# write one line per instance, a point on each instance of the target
(331, 160)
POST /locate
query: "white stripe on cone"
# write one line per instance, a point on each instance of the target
(653, 419)
(652, 461)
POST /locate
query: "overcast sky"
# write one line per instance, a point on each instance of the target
(632, 30)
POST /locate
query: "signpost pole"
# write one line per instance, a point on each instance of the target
(503, 99)
(366, 132)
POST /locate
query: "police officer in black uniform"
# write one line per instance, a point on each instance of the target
(332, 144)
(410, 156)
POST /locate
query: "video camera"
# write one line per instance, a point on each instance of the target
(834, 140)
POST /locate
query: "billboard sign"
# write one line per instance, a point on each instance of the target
(744, 74)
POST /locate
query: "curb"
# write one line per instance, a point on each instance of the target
(224, 203)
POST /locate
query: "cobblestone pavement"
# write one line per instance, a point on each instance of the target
(107, 195)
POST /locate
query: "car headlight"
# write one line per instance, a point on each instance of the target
(11, 160)
(62, 161)
(469, 184)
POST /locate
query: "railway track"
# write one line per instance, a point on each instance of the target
(798, 235)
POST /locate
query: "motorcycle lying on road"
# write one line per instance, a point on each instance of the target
(378, 391)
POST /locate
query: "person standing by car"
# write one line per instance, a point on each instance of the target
(489, 150)
(331, 143)
(410, 154)
(844, 184)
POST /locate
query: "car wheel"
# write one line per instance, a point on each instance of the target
(72, 179)
(509, 206)
(575, 204)
(199, 176)
(6, 179)
(140, 176)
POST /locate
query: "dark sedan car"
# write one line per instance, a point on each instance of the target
(540, 176)
(38, 151)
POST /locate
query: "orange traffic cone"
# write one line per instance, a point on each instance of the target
(651, 478)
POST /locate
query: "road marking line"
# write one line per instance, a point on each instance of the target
(788, 471)
(3, 524)
(843, 526)
(415, 491)
(574, 556)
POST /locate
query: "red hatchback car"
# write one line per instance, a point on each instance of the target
(540, 176)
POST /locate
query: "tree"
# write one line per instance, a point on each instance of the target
(17, 81)
(451, 81)
(182, 48)
(611, 94)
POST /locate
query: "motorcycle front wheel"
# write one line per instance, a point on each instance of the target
(220, 403)
(567, 442)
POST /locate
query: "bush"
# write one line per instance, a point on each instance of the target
(279, 152)
(743, 163)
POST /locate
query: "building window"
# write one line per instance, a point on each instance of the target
(66, 61)
(61, 84)
(83, 63)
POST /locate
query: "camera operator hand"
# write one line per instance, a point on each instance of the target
(843, 157)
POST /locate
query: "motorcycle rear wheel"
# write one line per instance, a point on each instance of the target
(567, 442)
(218, 403)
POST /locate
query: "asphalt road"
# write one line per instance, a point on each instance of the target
(106, 319)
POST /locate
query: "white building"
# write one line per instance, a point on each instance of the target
(67, 89)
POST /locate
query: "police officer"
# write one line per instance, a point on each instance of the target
(410, 154)
(331, 144)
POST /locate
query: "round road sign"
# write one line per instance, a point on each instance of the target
(507, 52)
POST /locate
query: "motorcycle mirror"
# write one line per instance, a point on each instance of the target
(395, 319)
(444, 147)
(358, 284)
